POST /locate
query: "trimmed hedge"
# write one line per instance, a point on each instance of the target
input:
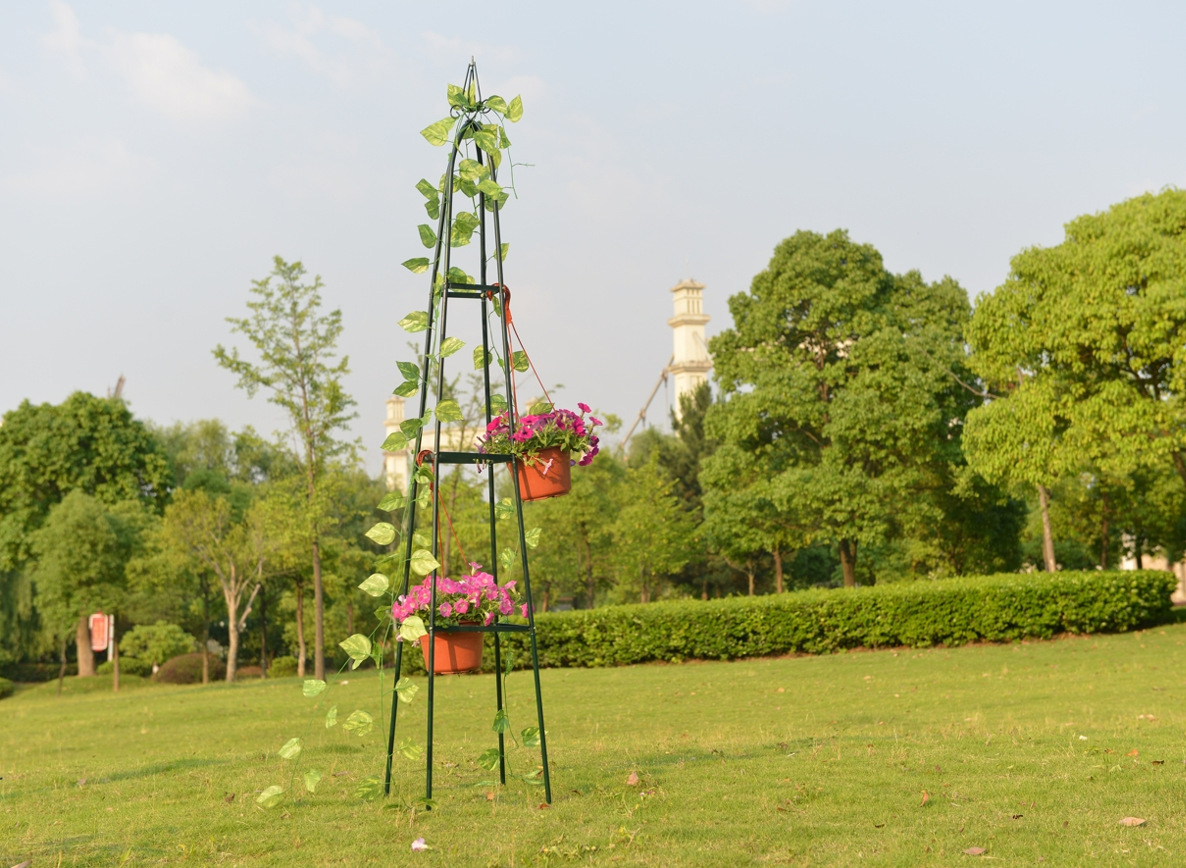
(1000, 608)
(283, 667)
(187, 669)
(35, 673)
(127, 666)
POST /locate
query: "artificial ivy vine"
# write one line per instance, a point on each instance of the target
(475, 179)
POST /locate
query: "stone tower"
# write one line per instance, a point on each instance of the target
(395, 464)
(690, 362)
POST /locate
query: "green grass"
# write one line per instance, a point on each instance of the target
(1033, 751)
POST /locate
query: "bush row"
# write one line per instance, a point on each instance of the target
(7, 688)
(1000, 608)
(34, 673)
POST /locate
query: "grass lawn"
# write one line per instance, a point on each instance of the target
(1033, 752)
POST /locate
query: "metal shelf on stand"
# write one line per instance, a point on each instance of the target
(485, 293)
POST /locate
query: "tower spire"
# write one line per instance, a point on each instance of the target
(690, 362)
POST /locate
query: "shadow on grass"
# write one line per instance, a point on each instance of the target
(160, 769)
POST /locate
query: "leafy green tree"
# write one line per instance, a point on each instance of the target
(652, 533)
(88, 444)
(78, 559)
(575, 554)
(204, 449)
(297, 345)
(837, 393)
(681, 456)
(1084, 346)
(235, 553)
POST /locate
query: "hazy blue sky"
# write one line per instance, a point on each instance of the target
(155, 156)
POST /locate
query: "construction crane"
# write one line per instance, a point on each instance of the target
(642, 414)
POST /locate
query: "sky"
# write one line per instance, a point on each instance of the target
(155, 157)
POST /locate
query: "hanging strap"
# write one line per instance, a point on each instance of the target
(420, 457)
(506, 308)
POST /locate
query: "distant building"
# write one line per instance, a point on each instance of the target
(690, 365)
(397, 466)
(690, 362)
(1158, 561)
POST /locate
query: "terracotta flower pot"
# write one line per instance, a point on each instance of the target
(550, 475)
(455, 652)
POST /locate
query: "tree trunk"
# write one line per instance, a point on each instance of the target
(1104, 543)
(590, 582)
(749, 575)
(114, 658)
(263, 634)
(350, 617)
(704, 587)
(62, 670)
(644, 594)
(1138, 550)
(1179, 464)
(1047, 536)
(777, 570)
(232, 624)
(82, 640)
(318, 615)
(205, 633)
(848, 562)
(300, 625)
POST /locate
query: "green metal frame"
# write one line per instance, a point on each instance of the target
(484, 294)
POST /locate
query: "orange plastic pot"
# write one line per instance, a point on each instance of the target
(549, 475)
(455, 652)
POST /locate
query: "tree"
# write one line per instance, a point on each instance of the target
(297, 344)
(79, 554)
(652, 532)
(202, 528)
(837, 385)
(1085, 347)
(576, 546)
(88, 444)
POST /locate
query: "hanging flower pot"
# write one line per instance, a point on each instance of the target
(543, 443)
(548, 475)
(475, 598)
(455, 652)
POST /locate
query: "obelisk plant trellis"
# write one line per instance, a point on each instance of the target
(477, 138)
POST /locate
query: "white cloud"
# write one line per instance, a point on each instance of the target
(530, 87)
(170, 78)
(343, 50)
(87, 167)
(157, 68)
(66, 38)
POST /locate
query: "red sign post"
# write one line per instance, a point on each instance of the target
(100, 632)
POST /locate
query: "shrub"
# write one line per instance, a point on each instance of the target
(282, 667)
(157, 642)
(1000, 608)
(187, 669)
(7, 688)
(127, 666)
(35, 673)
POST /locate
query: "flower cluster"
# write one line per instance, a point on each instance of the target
(474, 598)
(560, 429)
